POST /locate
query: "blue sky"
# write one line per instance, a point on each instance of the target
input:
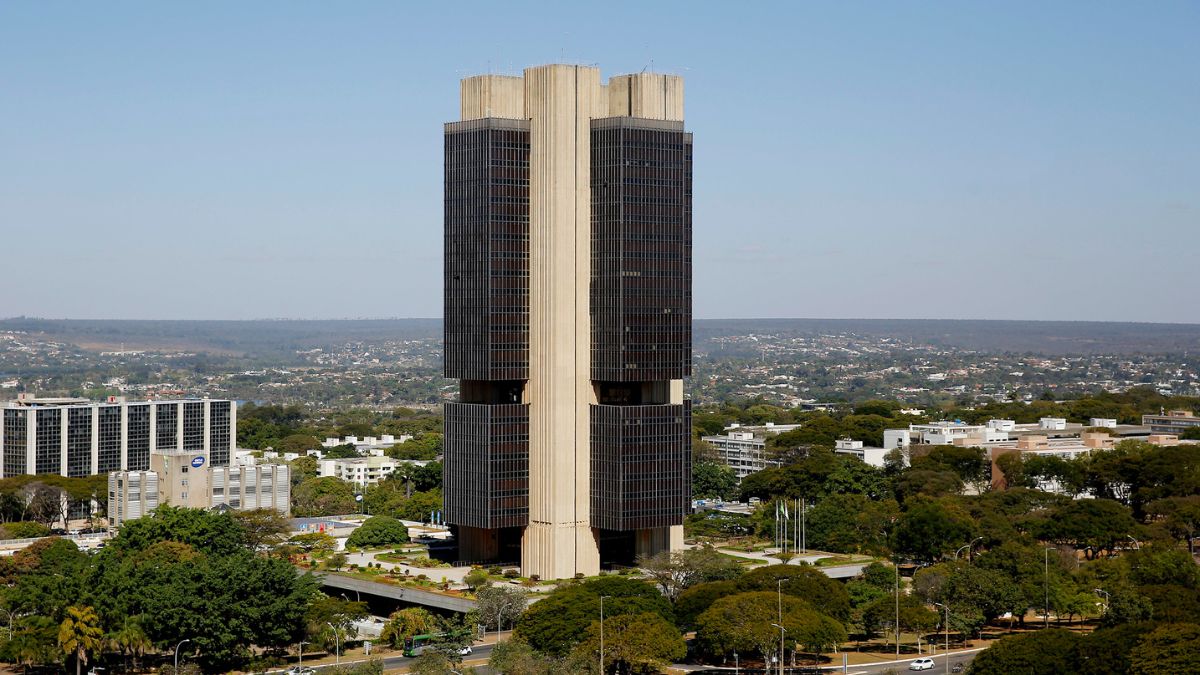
(927, 160)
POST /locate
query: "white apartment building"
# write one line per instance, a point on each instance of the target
(743, 448)
(362, 470)
(871, 455)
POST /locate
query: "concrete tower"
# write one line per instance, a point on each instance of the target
(568, 318)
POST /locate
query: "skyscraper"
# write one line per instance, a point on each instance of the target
(568, 306)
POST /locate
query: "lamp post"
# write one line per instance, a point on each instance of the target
(337, 656)
(968, 547)
(897, 566)
(1107, 598)
(947, 627)
(602, 598)
(1137, 545)
(176, 671)
(736, 669)
(782, 630)
(1046, 585)
(779, 599)
(301, 663)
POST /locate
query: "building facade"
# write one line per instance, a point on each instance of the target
(1173, 422)
(185, 479)
(77, 437)
(568, 309)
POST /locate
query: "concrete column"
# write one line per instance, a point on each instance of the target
(124, 436)
(560, 102)
(31, 441)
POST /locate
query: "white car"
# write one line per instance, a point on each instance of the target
(464, 651)
(921, 664)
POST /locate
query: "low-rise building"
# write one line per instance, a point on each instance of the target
(744, 448)
(362, 470)
(869, 454)
(1175, 422)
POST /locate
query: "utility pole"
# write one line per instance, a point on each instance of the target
(897, 612)
(947, 608)
(602, 633)
(1046, 585)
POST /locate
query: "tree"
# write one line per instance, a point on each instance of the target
(692, 602)
(262, 527)
(1047, 652)
(851, 523)
(807, 583)
(880, 615)
(516, 657)
(406, 623)
(1170, 648)
(638, 644)
(930, 529)
(205, 531)
(713, 480)
(500, 605)
(378, 532)
(742, 623)
(1094, 525)
(336, 561)
(476, 579)
(554, 624)
(676, 571)
(130, 639)
(80, 633)
(27, 529)
(298, 443)
(324, 496)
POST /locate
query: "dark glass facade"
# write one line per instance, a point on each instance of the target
(48, 447)
(110, 439)
(16, 434)
(641, 290)
(486, 465)
(138, 438)
(487, 250)
(193, 426)
(219, 442)
(166, 426)
(641, 465)
(79, 442)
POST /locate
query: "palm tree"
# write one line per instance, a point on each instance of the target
(130, 640)
(80, 633)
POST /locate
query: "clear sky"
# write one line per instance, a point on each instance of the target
(1018, 160)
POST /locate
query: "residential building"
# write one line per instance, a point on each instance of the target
(77, 437)
(869, 454)
(568, 305)
(362, 470)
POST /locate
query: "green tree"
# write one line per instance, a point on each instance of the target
(1047, 652)
(516, 657)
(406, 623)
(1170, 648)
(930, 529)
(713, 480)
(639, 644)
(743, 623)
(205, 531)
(476, 579)
(692, 602)
(499, 606)
(554, 624)
(262, 527)
(378, 532)
(80, 633)
(325, 496)
(676, 571)
(1094, 525)
(801, 581)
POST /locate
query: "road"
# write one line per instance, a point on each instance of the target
(880, 668)
(478, 657)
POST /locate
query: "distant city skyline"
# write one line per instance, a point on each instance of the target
(279, 160)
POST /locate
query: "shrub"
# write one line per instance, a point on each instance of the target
(377, 532)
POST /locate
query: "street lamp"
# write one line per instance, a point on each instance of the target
(1046, 585)
(897, 566)
(301, 664)
(968, 547)
(602, 598)
(779, 598)
(1107, 598)
(782, 630)
(1137, 545)
(947, 627)
(337, 657)
(176, 671)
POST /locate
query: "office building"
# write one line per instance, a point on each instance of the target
(568, 318)
(185, 479)
(1174, 422)
(77, 437)
(744, 448)
(362, 471)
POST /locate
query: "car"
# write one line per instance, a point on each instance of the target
(464, 651)
(300, 670)
(921, 664)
